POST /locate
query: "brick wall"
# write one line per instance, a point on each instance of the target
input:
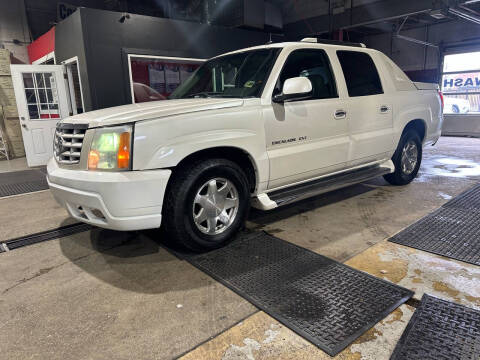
(9, 120)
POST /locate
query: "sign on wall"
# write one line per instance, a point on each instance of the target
(64, 10)
(464, 82)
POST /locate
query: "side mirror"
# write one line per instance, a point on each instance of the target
(297, 88)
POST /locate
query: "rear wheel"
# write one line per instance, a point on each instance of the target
(407, 159)
(206, 204)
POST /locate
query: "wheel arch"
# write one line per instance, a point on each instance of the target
(235, 154)
(418, 125)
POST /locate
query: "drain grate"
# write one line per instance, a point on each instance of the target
(452, 230)
(328, 303)
(440, 329)
(21, 182)
(46, 235)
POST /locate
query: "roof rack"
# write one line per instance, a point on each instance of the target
(332, 42)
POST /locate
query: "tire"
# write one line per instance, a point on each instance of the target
(191, 190)
(405, 171)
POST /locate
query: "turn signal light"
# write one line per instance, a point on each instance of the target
(123, 155)
(93, 159)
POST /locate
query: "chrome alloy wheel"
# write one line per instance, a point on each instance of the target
(409, 157)
(215, 206)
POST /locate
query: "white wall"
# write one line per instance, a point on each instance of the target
(13, 25)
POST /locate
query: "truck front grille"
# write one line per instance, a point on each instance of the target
(68, 141)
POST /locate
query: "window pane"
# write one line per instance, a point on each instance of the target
(156, 78)
(39, 78)
(33, 111)
(314, 65)
(462, 104)
(360, 73)
(461, 62)
(49, 96)
(27, 80)
(44, 113)
(42, 96)
(30, 95)
(47, 79)
(465, 82)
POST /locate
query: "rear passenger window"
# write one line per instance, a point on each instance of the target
(314, 65)
(360, 73)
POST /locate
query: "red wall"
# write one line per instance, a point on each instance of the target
(42, 46)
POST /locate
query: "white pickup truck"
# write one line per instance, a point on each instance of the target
(263, 126)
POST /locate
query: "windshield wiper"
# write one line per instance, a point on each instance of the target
(206, 94)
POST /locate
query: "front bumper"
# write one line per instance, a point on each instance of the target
(129, 200)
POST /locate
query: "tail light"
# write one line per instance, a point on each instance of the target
(441, 99)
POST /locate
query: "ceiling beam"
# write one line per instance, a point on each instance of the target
(358, 16)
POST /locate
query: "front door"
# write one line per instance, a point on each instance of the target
(306, 138)
(41, 97)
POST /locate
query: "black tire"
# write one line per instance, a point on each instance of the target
(178, 220)
(399, 177)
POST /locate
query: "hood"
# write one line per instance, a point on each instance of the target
(150, 110)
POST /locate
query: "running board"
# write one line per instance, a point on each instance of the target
(316, 187)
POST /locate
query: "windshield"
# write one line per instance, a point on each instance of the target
(237, 75)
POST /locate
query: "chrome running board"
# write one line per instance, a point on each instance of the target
(316, 187)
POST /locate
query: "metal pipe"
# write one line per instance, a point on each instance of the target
(464, 15)
(416, 41)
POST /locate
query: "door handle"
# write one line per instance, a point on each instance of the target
(340, 114)
(384, 108)
(24, 126)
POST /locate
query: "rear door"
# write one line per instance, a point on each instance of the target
(369, 109)
(42, 100)
(306, 138)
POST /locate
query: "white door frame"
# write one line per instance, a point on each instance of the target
(70, 83)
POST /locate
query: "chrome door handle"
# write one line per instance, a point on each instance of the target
(340, 114)
(384, 108)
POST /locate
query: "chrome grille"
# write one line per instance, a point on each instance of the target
(68, 141)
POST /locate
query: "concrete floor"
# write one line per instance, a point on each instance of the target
(13, 164)
(102, 294)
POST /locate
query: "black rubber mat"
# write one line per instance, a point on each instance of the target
(47, 235)
(452, 230)
(326, 302)
(468, 200)
(20, 182)
(440, 329)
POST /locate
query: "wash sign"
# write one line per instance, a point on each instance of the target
(467, 82)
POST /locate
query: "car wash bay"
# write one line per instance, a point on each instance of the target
(102, 294)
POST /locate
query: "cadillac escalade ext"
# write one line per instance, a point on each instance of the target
(264, 126)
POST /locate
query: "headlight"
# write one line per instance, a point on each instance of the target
(111, 148)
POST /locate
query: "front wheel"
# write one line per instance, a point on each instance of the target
(407, 159)
(206, 204)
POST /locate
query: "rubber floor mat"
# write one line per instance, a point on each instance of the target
(326, 302)
(440, 329)
(468, 200)
(20, 182)
(452, 230)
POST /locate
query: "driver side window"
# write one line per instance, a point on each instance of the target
(313, 64)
